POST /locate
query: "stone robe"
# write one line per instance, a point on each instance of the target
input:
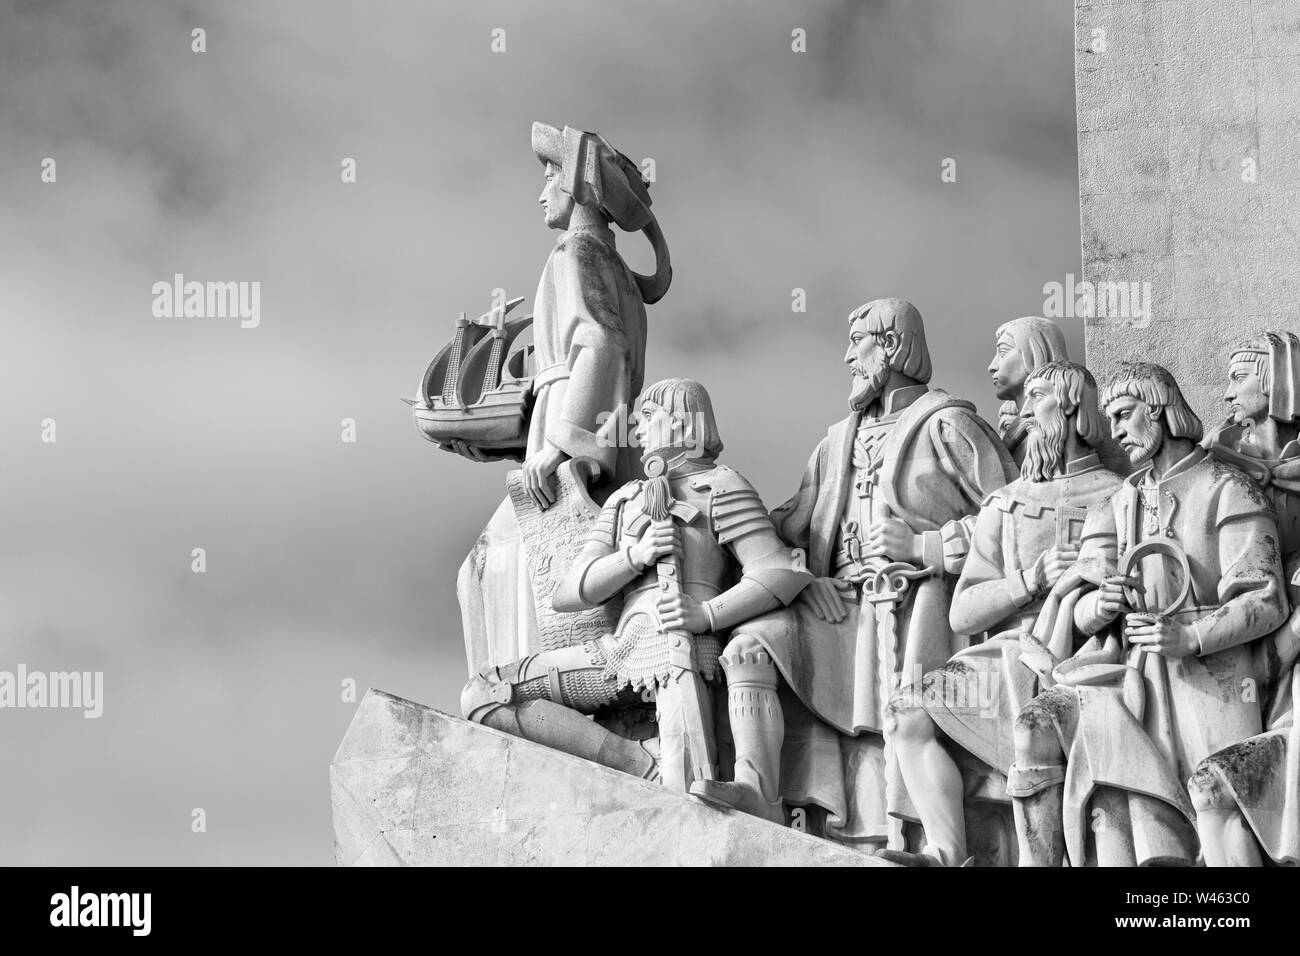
(935, 461)
(1139, 722)
(1263, 773)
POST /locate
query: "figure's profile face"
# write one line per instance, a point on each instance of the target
(1245, 395)
(656, 429)
(557, 205)
(1007, 368)
(868, 364)
(1136, 426)
(1042, 404)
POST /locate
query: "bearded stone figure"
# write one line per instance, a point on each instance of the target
(879, 515)
(1247, 797)
(1178, 578)
(953, 731)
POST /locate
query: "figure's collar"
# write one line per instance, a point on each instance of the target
(1085, 463)
(680, 463)
(892, 403)
(597, 229)
(1186, 463)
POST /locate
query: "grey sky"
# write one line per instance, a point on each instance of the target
(328, 560)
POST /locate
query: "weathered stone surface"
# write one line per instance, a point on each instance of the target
(413, 786)
(1188, 172)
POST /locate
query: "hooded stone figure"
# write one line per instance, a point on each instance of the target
(589, 337)
(1247, 797)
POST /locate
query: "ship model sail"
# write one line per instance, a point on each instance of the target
(477, 390)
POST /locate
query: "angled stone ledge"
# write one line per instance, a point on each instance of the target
(412, 786)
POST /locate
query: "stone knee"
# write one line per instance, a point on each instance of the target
(746, 661)
(1208, 792)
(1039, 757)
(484, 693)
(906, 720)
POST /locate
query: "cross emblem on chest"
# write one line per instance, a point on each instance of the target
(866, 461)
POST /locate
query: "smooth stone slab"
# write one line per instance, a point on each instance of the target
(412, 786)
(1189, 178)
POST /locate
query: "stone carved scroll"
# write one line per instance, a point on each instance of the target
(552, 540)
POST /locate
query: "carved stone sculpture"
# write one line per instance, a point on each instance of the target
(589, 334)
(879, 516)
(953, 732)
(669, 545)
(1021, 346)
(1177, 579)
(1247, 796)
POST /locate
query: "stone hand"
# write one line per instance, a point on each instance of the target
(1111, 598)
(825, 598)
(538, 469)
(1049, 567)
(1161, 635)
(892, 539)
(681, 612)
(469, 450)
(655, 542)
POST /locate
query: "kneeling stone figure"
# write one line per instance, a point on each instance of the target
(672, 545)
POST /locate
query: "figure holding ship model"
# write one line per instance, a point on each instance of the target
(545, 406)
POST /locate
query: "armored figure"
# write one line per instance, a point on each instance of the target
(879, 517)
(1187, 552)
(589, 333)
(1247, 796)
(673, 545)
(961, 716)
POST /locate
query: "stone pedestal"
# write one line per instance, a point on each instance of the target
(1189, 178)
(413, 786)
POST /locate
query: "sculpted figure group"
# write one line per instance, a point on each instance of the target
(1066, 638)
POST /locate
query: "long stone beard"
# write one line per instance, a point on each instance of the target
(868, 384)
(1045, 448)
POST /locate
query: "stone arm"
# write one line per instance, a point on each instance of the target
(987, 593)
(772, 578)
(1099, 544)
(976, 462)
(603, 567)
(1252, 598)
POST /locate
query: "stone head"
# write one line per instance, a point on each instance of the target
(676, 415)
(1060, 399)
(1145, 408)
(1264, 378)
(885, 336)
(1021, 346)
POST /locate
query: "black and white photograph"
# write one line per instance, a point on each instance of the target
(823, 434)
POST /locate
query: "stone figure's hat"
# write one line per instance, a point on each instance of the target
(596, 174)
(1283, 352)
